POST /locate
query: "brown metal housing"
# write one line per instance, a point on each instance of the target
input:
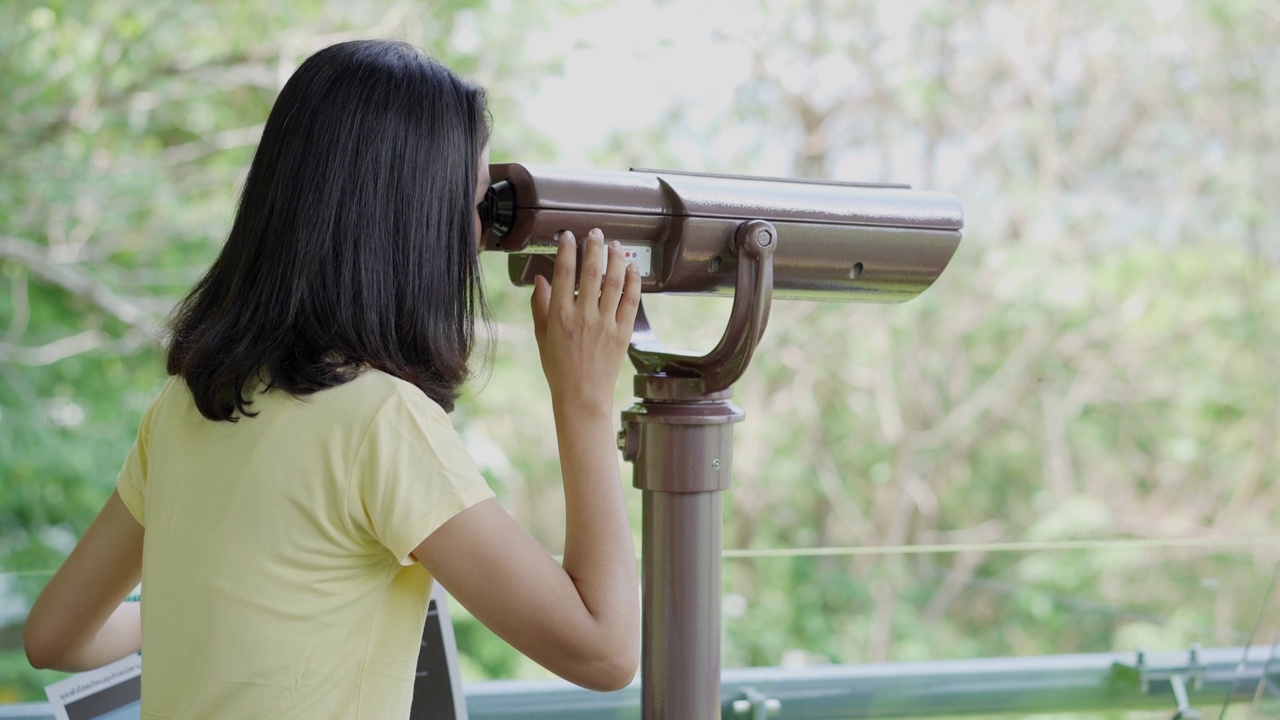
(844, 241)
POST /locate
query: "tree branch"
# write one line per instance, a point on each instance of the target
(73, 345)
(75, 280)
(217, 142)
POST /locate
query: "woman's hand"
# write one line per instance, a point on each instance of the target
(582, 338)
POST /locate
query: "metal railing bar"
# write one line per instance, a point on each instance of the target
(945, 688)
(941, 688)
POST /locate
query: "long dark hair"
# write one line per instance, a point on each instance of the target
(353, 244)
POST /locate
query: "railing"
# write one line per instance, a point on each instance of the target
(1175, 681)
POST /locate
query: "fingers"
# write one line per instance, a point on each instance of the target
(614, 278)
(629, 303)
(562, 278)
(616, 294)
(593, 258)
(541, 303)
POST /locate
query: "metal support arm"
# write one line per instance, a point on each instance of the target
(754, 244)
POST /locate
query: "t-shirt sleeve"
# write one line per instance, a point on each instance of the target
(131, 483)
(411, 474)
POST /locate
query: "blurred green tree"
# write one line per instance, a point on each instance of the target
(1096, 365)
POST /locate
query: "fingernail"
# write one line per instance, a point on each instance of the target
(615, 245)
(595, 232)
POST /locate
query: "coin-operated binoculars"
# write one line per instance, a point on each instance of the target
(754, 239)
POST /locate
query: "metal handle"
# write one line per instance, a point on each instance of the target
(754, 244)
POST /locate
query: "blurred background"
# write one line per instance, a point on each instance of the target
(1068, 444)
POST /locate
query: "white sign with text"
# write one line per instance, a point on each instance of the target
(112, 692)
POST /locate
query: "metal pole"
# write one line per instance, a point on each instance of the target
(681, 440)
(681, 607)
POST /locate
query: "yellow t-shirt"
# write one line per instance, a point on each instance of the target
(277, 580)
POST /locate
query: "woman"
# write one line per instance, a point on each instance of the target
(296, 485)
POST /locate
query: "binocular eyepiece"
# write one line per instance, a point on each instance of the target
(836, 241)
(498, 209)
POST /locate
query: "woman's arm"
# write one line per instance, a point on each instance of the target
(79, 622)
(581, 620)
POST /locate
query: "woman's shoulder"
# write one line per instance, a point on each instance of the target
(370, 395)
(389, 394)
(371, 380)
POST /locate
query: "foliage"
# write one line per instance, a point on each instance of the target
(1097, 363)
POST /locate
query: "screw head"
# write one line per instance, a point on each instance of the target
(764, 238)
(716, 463)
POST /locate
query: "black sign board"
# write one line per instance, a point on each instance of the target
(437, 689)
